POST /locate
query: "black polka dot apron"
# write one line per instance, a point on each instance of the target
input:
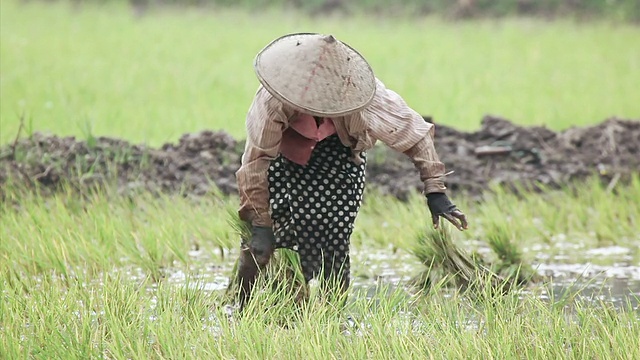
(314, 207)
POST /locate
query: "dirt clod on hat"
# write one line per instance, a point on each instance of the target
(316, 74)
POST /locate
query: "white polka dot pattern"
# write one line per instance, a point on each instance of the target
(314, 207)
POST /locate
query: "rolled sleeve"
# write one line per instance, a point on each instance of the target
(394, 123)
(264, 124)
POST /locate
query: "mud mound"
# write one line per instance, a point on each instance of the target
(504, 153)
(500, 152)
(191, 166)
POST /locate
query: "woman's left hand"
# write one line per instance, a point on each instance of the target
(440, 205)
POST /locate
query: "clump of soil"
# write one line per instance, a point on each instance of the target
(498, 153)
(196, 165)
(502, 153)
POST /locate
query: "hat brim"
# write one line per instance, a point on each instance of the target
(316, 74)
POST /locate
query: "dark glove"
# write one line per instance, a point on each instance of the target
(440, 205)
(262, 241)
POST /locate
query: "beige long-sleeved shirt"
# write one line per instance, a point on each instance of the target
(387, 118)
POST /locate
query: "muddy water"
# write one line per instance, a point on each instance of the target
(607, 273)
(617, 283)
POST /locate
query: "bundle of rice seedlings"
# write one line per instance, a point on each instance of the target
(510, 263)
(447, 263)
(283, 273)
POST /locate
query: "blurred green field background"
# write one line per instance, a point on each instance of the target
(97, 68)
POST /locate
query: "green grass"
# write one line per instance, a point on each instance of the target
(96, 277)
(120, 319)
(153, 232)
(589, 215)
(99, 69)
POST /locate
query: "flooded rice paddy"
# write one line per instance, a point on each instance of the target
(607, 274)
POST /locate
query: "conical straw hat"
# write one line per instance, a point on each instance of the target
(316, 74)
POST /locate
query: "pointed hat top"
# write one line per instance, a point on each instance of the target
(316, 74)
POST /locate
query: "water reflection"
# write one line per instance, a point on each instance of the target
(618, 284)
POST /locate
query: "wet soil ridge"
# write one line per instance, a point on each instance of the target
(502, 153)
(499, 152)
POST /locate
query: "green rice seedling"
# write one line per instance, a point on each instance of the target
(189, 301)
(118, 317)
(70, 287)
(585, 214)
(513, 223)
(383, 220)
(510, 263)
(284, 267)
(64, 232)
(437, 250)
